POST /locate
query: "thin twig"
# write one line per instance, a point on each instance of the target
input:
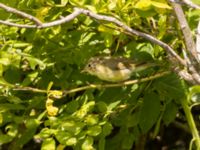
(38, 23)
(17, 25)
(35, 90)
(23, 14)
(94, 86)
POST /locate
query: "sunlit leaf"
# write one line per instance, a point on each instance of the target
(94, 130)
(87, 144)
(71, 141)
(92, 119)
(48, 144)
(63, 136)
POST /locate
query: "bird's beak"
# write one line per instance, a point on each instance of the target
(84, 70)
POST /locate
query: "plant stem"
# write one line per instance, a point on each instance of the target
(191, 123)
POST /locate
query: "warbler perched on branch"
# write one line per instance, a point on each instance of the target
(114, 69)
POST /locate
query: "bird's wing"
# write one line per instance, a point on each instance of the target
(118, 63)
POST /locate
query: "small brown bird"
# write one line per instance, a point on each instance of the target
(114, 69)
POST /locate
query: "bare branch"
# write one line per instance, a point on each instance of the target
(192, 54)
(185, 75)
(45, 25)
(63, 19)
(194, 75)
(186, 2)
(17, 25)
(78, 11)
(190, 45)
(191, 4)
(23, 14)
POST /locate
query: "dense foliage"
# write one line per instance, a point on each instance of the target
(52, 58)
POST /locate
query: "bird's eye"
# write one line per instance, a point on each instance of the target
(89, 65)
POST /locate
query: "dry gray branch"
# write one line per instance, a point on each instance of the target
(190, 45)
(193, 60)
(78, 11)
(191, 4)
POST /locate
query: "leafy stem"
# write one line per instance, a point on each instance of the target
(191, 123)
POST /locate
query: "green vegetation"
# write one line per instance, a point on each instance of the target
(45, 100)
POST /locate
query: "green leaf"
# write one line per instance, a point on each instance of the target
(106, 129)
(88, 144)
(12, 129)
(113, 105)
(71, 141)
(92, 119)
(48, 144)
(20, 44)
(194, 89)
(14, 100)
(147, 8)
(94, 130)
(28, 133)
(7, 106)
(133, 119)
(159, 5)
(108, 29)
(128, 141)
(85, 109)
(144, 8)
(34, 62)
(170, 86)
(5, 138)
(145, 51)
(6, 117)
(143, 4)
(101, 144)
(108, 40)
(194, 94)
(12, 75)
(44, 133)
(5, 61)
(62, 136)
(149, 112)
(101, 106)
(72, 127)
(170, 112)
(32, 123)
(103, 118)
(1, 119)
(72, 106)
